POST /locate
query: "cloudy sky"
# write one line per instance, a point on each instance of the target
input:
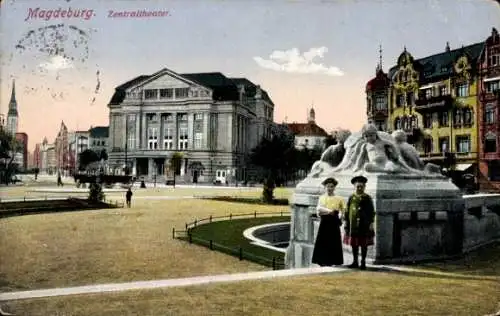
(303, 53)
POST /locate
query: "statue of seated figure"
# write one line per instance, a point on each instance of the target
(411, 155)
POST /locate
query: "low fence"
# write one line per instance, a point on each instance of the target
(276, 262)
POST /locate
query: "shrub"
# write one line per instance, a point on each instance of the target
(95, 192)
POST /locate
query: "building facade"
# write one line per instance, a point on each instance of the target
(61, 145)
(48, 161)
(434, 100)
(489, 102)
(211, 120)
(308, 135)
(21, 158)
(37, 161)
(99, 138)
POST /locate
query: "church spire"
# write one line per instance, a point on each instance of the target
(13, 102)
(13, 94)
(12, 115)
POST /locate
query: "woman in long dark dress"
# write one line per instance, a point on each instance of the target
(328, 246)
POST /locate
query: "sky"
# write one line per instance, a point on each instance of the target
(303, 53)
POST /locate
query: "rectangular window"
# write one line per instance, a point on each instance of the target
(166, 93)
(151, 117)
(490, 145)
(198, 140)
(428, 93)
(428, 120)
(168, 138)
(443, 119)
(183, 138)
(462, 90)
(463, 143)
(493, 86)
(410, 99)
(400, 99)
(168, 118)
(153, 138)
(443, 90)
(150, 94)
(181, 93)
(198, 117)
(489, 114)
(444, 144)
(380, 103)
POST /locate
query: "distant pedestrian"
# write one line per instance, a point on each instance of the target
(59, 180)
(128, 197)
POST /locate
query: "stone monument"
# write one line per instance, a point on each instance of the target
(419, 212)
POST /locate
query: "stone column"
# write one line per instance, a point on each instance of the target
(138, 130)
(160, 132)
(175, 132)
(123, 132)
(206, 119)
(190, 130)
(230, 131)
(134, 166)
(144, 129)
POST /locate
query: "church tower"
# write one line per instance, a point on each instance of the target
(12, 115)
(311, 118)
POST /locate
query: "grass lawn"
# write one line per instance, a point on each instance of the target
(357, 293)
(229, 234)
(117, 245)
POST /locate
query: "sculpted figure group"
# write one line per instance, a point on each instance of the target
(373, 151)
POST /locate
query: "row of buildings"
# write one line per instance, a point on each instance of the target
(61, 155)
(213, 121)
(448, 103)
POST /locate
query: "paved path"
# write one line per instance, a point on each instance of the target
(168, 283)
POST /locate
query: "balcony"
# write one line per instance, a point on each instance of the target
(437, 103)
(378, 113)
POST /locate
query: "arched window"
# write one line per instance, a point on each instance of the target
(406, 122)
(414, 121)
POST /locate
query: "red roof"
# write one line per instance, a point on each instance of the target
(380, 81)
(306, 129)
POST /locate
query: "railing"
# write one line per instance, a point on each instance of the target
(437, 101)
(276, 263)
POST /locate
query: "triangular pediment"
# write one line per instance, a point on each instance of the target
(164, 79)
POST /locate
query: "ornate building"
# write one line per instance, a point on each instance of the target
(377, 98)
(212, 120)
(489, 102)
(434, 99)
(308, 135)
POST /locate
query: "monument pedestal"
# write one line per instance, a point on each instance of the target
(416, 218)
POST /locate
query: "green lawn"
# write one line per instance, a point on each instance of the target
(227, 236)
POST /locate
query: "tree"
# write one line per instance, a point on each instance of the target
(275, 155)
(103, 154)
(95, 192)
(9, 146)
(87, 157)
(329, 140)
